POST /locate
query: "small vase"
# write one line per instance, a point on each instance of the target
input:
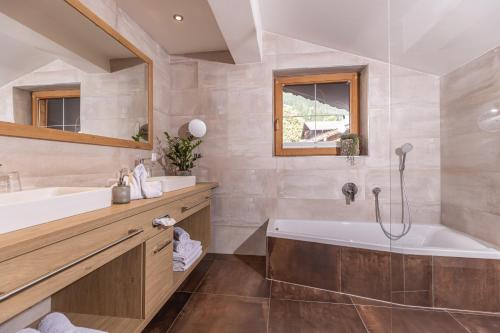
(183, 172)
(349, 147)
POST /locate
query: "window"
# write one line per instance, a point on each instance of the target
(56, 109)
(311, 112)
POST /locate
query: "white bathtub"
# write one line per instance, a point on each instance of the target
(429, 240)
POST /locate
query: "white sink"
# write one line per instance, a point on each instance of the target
(28, 208)
(173, 183)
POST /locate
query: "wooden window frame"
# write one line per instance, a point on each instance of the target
(281, 81)
(36, 96)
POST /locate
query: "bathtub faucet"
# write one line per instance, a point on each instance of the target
(349, 190)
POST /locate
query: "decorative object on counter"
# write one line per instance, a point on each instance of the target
(10, 182)
(121, 191)
(179, 152)
(186, 251)
(139, 187)
(349, 147)
(142, 134)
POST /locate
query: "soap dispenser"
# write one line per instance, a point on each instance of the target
(121, 192)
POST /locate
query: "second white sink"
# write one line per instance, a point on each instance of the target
(173, 183)
(32, 207)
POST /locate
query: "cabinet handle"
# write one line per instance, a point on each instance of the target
(186, 208)
(131, 233)
(161, 247)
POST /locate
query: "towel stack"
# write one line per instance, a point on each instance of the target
(186, 250)
(58, 323)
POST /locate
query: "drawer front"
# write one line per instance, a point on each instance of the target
(159, 270)
(177, 210)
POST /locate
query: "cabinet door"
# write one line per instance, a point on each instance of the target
(159, 270)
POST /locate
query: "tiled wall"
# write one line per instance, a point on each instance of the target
(236, 103)
(48, 163)
(470, 148)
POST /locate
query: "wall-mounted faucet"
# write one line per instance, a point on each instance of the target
(349, 190)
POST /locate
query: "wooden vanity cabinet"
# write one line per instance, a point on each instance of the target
(159, 274)
(114, 277)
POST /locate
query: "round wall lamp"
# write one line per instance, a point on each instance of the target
(197, 128)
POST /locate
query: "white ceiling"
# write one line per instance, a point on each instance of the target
(198, 32)
(433, 36)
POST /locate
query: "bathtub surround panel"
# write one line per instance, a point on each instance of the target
(429, 281)
(236, 102)
(470, 146)
(358, 269)
(313, 264)
(470, 284)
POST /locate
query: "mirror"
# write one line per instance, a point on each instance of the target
(66, 75)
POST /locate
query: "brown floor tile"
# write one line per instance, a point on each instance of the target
(313, 317)
(478, 323)
(167, 314)
(282, 290)
(223, 314)
(366, 273)
(194, 279)
(306, 263)
(237, 275)
(397, 320)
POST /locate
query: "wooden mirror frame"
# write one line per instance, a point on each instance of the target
(32, 132)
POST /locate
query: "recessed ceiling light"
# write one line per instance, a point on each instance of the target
(178, 17)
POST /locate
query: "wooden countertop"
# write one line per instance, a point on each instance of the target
(25, 240)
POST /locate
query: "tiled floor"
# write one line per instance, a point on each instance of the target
(228, 293)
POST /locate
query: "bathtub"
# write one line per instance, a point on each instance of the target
(428, 240)
(432, 266)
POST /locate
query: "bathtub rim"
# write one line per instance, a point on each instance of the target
(491, 253)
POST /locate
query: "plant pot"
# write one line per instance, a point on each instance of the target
(183, 173)
(349, 147)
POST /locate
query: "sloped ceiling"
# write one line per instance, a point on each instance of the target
(433, 36)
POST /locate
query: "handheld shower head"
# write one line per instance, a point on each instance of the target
(402, 151)
(406, 148)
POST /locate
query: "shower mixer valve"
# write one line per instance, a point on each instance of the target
(349, 190)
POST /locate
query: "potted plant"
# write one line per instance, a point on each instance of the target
(349, 146)
(142, 134)
(178, 152)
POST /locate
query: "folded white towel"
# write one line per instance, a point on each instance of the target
(181, 234)
(135, 187)
(182, 267)
(164, 221)
(28, 330)
(186, 246)
(188, 256)
(56, 322)
(151, 189)
(139, 187)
